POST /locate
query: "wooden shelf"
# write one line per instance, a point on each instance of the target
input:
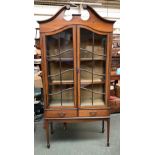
(58, 103)
(90, 59)
(68, 82)
(96, 102)
(95, 81)
(62, 59)
(71, 59)
(64, 82)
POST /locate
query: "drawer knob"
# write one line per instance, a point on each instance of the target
(92, 113)
(62, 114)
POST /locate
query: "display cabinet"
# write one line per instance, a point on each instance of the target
(76, 56)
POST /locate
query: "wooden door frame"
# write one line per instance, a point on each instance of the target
(44, 66)
(108, 58)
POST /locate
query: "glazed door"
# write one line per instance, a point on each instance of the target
(92, 54)
(61, 68)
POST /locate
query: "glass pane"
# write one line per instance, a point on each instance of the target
(86, 95)
(54, 95)
(86, 45)
(92, 68)
(92, 45)
(99, 46)
(97, 73)
(66, 71)
(60, 66)
(60, 44)
(67, 95)
(92, 98)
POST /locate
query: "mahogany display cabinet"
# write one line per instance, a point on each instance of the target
(76, 56)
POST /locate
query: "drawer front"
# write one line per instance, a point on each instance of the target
(93, 113)
(60, 113)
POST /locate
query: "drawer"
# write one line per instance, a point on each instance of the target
(60, 113)
(93, 113)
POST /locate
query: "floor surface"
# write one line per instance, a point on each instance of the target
(79, 139)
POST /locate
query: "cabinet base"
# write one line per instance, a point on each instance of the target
(49, 121)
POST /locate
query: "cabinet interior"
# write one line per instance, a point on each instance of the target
(60, 68)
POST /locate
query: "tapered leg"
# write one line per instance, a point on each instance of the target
(103, 126)
(47, 133)
(51, 128)
(108, 131)
(65, 126)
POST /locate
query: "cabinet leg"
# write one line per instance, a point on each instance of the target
(47, 133)
(108, 131)
(65, 126)
(103, 126)
(51, 124)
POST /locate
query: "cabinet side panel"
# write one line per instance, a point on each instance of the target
(43, 69)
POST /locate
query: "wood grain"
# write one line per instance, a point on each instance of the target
(60, 113)
(93, 113)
